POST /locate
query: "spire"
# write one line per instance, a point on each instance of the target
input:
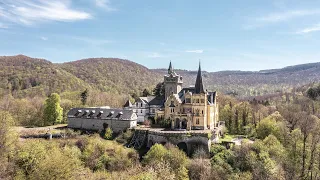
(170, 70)
(199, 84)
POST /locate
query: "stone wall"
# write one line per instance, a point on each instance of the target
(191, 141)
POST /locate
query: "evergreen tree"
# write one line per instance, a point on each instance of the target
(53, 113)
(84, 97)
(146, 93)
(159, 90)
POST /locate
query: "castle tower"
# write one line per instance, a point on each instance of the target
(172, 82)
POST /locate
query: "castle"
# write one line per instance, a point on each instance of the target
(192, 108)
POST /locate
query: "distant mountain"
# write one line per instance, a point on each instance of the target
(251, 83)
(27, 76)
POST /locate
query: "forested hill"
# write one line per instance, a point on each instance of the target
(25, 76)
(113, 75)
(251, 83)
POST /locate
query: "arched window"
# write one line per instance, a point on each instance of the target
(197, 121)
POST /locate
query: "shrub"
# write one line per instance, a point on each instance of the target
(200, 169)
(108, 134)
(173, 157)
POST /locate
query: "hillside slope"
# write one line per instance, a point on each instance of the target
(25, 76)
(113, 75)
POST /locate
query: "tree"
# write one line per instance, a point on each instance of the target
(84, 97)
(159, 90)
(267, 127)
(53, 113)
(8, 140)
(226, 115)
(307, 123)
(146, 93)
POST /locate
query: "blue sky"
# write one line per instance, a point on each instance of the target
(224, 34)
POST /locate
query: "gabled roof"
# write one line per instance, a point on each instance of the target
(156, 101)
(120, 114)
(152, 100)
(128, 104)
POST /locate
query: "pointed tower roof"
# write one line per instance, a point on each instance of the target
(199, 84)
(170, 70)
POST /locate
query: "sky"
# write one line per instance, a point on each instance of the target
(223, 34)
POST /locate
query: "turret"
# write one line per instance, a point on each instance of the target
(172, 81)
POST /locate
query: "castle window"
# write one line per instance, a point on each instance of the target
(188, 100)
(197, 101)
(141, 111)
(197, 121)
(202, 111)
(197, 112)
(141, 104)
(202, 101)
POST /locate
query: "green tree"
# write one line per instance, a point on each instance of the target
(8, 139)
(267, 127)
(53, 113)
(226, 115)
(84, 97)
(159, 90)
(146, 93)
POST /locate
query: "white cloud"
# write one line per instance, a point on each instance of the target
(29, 12)
(279, 17)
(44, 38)
(284, 16)
(106, 4)
(154, 55)
(199, 51)
(309, 29)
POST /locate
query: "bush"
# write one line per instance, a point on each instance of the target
(124, 137)
(108, 134)
(173, 157)
(200, 169)
(165, 123)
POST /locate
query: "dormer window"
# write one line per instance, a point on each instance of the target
(92, 113)
(119, 114)
(78, 112)
(100, 114)
(86, 112)
(111, 113)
